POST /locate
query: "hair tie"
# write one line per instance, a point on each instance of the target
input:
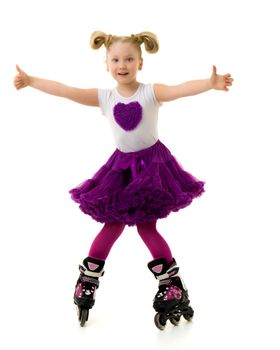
(108, 40)
(136, 38)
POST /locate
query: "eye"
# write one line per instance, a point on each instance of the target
(115, 60)
(130, 59)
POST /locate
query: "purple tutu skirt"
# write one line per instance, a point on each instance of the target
(137, 187)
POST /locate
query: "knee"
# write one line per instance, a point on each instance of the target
(116, 227)
(146, 227)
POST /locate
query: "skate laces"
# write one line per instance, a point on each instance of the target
(90, 280)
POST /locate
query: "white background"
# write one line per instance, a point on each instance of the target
(226, 242)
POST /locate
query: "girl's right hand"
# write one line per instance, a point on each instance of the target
(21, 80)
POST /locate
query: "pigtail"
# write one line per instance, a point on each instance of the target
(98, 39)
(149, 39)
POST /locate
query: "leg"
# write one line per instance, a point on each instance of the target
(171, 301)
(92, 268)
(105, 240)
(154, 241)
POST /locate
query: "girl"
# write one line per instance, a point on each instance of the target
(141, 181)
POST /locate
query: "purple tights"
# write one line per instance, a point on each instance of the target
(110, 232)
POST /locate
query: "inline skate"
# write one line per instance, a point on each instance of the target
(172, 300)
(84, 296)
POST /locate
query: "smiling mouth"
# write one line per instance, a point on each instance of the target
(122, 74)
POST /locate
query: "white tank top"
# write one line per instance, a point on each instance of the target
(133, 119)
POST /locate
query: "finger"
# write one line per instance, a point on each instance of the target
(228, 78)
(18, 82)
(229, 81)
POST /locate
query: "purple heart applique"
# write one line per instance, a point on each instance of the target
(128, 116)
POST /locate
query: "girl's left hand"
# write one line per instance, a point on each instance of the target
(220, 82)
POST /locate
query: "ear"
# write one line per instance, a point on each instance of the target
(107, 67)
(140, 64)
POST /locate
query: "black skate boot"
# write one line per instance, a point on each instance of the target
(172, 300)
(84, 296)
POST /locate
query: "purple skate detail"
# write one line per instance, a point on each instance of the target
(173, 293)
(92, 266)
(128, 116)
(158, 268)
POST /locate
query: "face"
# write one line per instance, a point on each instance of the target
(123, 62)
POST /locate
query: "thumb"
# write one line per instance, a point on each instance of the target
(19, 69)
(214, 70)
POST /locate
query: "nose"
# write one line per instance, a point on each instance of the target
(122, 64)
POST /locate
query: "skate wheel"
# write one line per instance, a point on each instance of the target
(160, 321)
(83, 316)
(188, 314)
(175, 320)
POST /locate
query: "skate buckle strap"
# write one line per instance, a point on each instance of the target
(90, 273)
(170, 272)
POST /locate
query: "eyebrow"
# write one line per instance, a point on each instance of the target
(128, 56)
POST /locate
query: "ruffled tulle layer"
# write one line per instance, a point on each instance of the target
(137, 187)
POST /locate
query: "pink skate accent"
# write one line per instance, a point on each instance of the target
(173, 293)
(92, 266)
(158, 268)
(79, 290)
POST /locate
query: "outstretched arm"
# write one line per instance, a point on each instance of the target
(166, 93)
(87, 97)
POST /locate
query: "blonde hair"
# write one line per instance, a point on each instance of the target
(149, 40)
